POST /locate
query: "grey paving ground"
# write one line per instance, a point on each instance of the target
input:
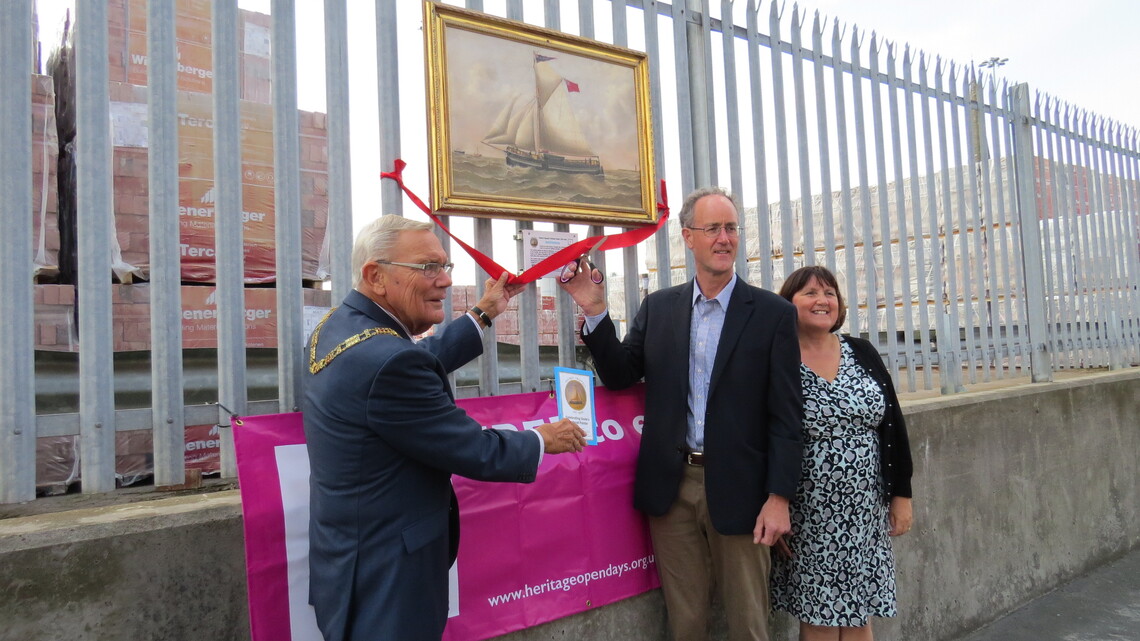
(1103, 605)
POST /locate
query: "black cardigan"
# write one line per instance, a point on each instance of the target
(894, 446)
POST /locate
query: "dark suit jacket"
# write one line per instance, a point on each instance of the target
(895, 463)
(754, 413)
(384, 437)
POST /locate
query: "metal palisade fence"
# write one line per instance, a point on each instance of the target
(979, 231)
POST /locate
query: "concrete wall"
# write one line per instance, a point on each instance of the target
(1016, 491)
(167, 569)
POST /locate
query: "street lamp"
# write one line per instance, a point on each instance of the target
(981, 151)
(992, 64)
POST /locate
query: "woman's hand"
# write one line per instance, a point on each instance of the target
(900, 515)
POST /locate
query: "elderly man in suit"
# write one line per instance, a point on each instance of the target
(720, 450)
(384, 437)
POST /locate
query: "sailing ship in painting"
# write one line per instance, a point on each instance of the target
(542, 131)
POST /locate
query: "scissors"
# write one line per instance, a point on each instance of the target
(571, 269)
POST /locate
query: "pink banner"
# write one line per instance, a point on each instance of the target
(569, 542)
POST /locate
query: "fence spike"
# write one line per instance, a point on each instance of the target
(798, 19)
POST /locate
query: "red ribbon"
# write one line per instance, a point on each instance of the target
(552, 262)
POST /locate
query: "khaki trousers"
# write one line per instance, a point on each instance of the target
(692, 558)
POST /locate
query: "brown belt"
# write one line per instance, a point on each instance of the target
(695, 458)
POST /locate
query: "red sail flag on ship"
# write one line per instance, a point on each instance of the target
(572, 87)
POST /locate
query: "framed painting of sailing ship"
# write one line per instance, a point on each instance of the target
(528, 123)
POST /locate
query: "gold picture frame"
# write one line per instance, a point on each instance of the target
(529, 123)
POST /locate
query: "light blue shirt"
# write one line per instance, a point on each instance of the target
(704, 337)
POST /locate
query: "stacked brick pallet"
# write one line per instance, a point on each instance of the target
(463, 297)
(45, 155)
(130, 312)
(128, 72)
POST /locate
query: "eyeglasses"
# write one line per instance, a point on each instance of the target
(713, 231)
(431, 270)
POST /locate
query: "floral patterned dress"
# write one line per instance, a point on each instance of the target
(842, 570)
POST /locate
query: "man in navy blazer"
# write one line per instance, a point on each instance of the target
(384, 437)
(720, 449)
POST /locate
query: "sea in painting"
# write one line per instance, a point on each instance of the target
(490, 177)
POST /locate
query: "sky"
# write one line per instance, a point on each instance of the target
(1079, 52)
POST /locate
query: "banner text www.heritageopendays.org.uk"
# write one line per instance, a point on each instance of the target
(566, 583)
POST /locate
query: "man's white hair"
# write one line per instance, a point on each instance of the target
(377, 240)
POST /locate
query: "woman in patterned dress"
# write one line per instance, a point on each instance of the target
(836, 569)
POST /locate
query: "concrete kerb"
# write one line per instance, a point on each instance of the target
(85, 524)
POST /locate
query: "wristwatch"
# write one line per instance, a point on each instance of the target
(481, 316)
